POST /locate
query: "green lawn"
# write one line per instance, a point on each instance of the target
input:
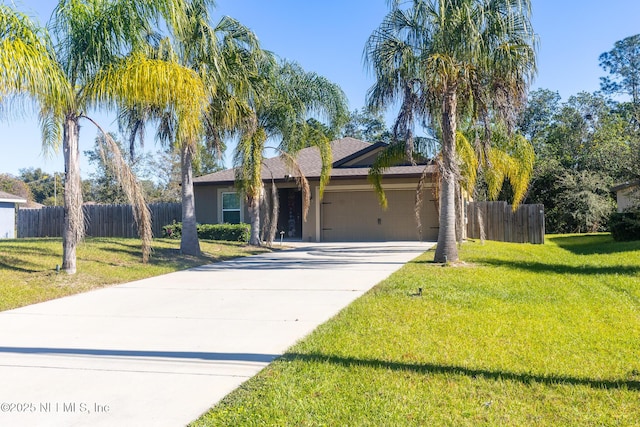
(521, 335)
(28, 266)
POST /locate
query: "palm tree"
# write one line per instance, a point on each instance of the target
(510, 157)
(55, 71)
(224, 58)
(290, 97)
(473, 58)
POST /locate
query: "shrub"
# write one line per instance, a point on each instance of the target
(172, 231)
(625, 225)
(225, 232)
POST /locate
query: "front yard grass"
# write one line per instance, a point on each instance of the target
(28, 266)
(520, 335)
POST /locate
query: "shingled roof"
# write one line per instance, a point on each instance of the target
(6, 197)
(625, 185)
(344, 152)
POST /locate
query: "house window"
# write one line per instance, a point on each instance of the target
(231, 208)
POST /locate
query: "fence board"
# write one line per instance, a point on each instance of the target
(100, 220)
(501, 223)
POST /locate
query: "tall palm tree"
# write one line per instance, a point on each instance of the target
(283, 112)
(86, 36)
(224, 58)
(474, 58)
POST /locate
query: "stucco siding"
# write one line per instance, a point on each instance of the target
(206, 204)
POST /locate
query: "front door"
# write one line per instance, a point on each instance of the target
(290, 216)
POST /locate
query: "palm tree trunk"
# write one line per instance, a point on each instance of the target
(189, 244)
(254, 217)
(446, 250)
(73, 230)
(460, 226)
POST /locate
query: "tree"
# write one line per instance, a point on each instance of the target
(366, 125)
(623, 65)
(104, 184)
(165, 169)
(282, 113)
(588, 132)
(158, 174)
(539, 113)
(161, 85)
(12, 185)
(46, 188)
(505, 168)
(587, 144)
(468, 58)
(223, 59)
(585, 204)
(57, 71)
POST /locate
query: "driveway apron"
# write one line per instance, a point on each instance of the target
(161, 351)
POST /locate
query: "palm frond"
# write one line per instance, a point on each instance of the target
(91, 34)
(486, 49)
(115, 161)
(468, 162)
(137, 80)
(391, 155)
(299, 108)
(51, 130)
(28, 66)
(511, 158)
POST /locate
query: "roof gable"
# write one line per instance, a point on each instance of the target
(361, 158)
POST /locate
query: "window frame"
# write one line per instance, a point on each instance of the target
(223, 210)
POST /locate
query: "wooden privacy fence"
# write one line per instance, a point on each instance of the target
(499, 222)
(100, 220)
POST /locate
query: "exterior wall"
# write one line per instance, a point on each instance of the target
(209, 210)
(209, 203)
(628, 198)
(7, 220)
(206, 204)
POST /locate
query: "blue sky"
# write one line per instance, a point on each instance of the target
(328, 37)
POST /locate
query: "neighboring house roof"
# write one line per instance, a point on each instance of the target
(625, 185)
(346, 155)
(10, 198)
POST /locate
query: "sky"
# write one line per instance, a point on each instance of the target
(328, 37)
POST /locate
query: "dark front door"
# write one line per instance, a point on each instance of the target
(290, 216)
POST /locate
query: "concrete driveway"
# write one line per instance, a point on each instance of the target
(161, 351)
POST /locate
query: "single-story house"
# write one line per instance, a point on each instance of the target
(8, 204)
(349, 209)
(627, 194)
